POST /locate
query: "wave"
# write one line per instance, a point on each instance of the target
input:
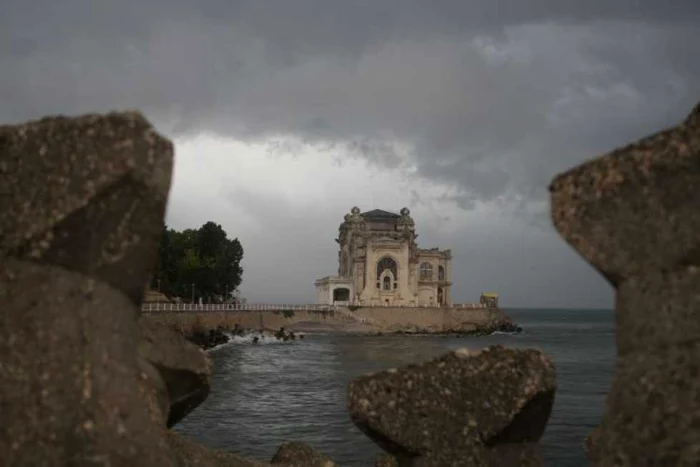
(506, 333)
(265, 339)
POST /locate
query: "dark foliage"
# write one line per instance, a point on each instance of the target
(202, 263)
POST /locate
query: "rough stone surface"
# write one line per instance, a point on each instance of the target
(184, 368)
(83, 202)
(87, 194)
(589, 442)
(466, 408)
(191, 454)
(70, 392)
(633, 215)
(634, 210)
(295, 454)
(386, 460)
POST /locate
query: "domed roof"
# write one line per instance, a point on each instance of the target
(379, 214)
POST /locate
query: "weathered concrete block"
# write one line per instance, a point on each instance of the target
(653, 409)
(633, 215)
(87, 194)
(466, 408)
(386, 460)
(635, 210)
(82, 202)
(71, 388)
(295, 454)
(191, 454)
(184, 368)
(658, 309)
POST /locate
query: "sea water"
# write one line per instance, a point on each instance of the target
(265, 394)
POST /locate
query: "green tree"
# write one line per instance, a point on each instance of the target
(204, 258)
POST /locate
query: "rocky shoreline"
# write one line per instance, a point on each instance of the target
(209, 339)
(504, 325)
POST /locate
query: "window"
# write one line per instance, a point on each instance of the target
(387, 283)
(387, 274)
(426, 272)
(441, 273)
(387, 263)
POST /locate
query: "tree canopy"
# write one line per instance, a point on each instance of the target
(202, 263)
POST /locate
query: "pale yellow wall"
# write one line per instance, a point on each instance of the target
(363, 270)
(371, 295)
(325, 291)
(425, 294)
(430, 319)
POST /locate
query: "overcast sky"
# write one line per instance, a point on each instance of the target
(287, 113)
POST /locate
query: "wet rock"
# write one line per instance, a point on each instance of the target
(589, 442)
(207, 339)
(465, 408)
(295, 454)
(184, 368)
(386, 460)
(633, 215)
(191, 454)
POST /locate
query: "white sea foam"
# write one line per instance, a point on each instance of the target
(504, 333)
(265, 339)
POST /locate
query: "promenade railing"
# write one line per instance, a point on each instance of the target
(212, 307)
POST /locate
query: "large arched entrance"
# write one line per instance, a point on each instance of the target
(341, 294)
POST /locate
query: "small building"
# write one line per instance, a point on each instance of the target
(380, 264)
(490, 299)
(153, 296)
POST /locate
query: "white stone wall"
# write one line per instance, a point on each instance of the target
(363, 245)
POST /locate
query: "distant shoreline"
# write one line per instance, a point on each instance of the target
(366, 321)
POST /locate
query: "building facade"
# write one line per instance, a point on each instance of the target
(380, 264)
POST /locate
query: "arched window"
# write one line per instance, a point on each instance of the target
(441, 273)
(426, 272)
(387, 283)
(387, 263)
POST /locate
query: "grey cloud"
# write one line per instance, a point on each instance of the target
(287, 249)
(491, 98)
(494, 97)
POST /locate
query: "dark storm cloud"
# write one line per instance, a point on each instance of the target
(494, 97)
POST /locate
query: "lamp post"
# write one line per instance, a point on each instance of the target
(158, 285)
(193, 293)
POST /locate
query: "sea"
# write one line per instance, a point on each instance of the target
(264, 395)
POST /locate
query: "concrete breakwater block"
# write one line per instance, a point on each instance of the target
(633, 215)
(83, 202)
(487, 407)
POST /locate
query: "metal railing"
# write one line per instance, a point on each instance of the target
(175, 307)
(152, 307)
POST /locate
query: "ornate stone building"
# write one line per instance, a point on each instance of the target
(379, 263)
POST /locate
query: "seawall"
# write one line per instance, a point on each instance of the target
(361, 320)
(429, 320)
